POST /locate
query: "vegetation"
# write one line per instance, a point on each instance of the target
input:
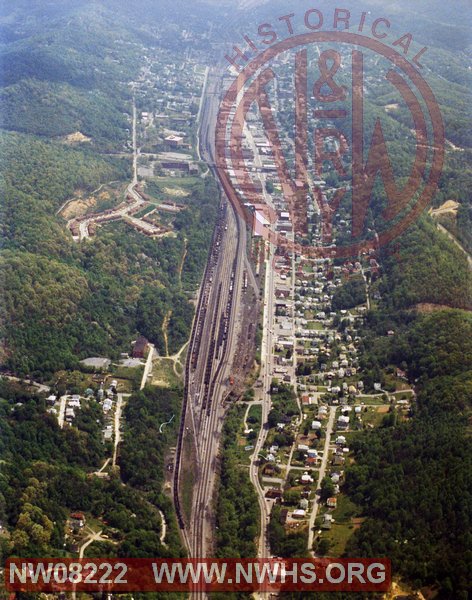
(68, 72)
(38, 176)
(412, 479)
(64, 301)
(464, 226)
(284, 404)
(63, 79)
(145, 443)
(289, 545)
(426, 267)
(46, 475)
(57, 109)
(237, 509)
(128, 282)
(65, 69)
(349, 295)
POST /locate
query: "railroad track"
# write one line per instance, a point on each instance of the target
(192, 357)
(211, 349)
(211, 413)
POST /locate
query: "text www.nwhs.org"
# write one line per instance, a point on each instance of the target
(208, 574)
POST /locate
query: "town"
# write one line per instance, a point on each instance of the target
(234, 328)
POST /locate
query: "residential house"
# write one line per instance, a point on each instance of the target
(306, 478)
(303, 504)
(326, 521)
(332, 502)
(77, 519)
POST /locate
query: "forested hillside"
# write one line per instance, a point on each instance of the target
(38, 176)
(63, 301)
(46, 475)
(425, 267)
(237, 514)
(66, 135)
(66, 69)
(71, 74)
(412, 479)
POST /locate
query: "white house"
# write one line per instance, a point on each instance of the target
(306, 478)
(343, 422)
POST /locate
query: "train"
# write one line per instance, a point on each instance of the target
(218, 344)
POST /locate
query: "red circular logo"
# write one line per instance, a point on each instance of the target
(301, 191)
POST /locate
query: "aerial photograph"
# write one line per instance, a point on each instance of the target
(236, 299)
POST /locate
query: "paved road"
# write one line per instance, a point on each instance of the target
(62, 410)
(266, 376)
(93, 538)
(135, 147)
(40, 387)
(130, 190)
(101, 471)
(322, 471)
(117, 420)
(147, 366)
(200, 107)
(367, 290)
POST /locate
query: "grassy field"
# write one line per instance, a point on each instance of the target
(128, 378)
(315, 325)
(144, 212)
(172, 182)
(187, 477)
(343, 527)
(244, 456)
(374, 415)
(163, 373)
(254, 416)
(370, 401)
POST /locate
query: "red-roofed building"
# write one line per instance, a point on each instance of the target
(77, 519)
(140, 347)
(332, 502)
